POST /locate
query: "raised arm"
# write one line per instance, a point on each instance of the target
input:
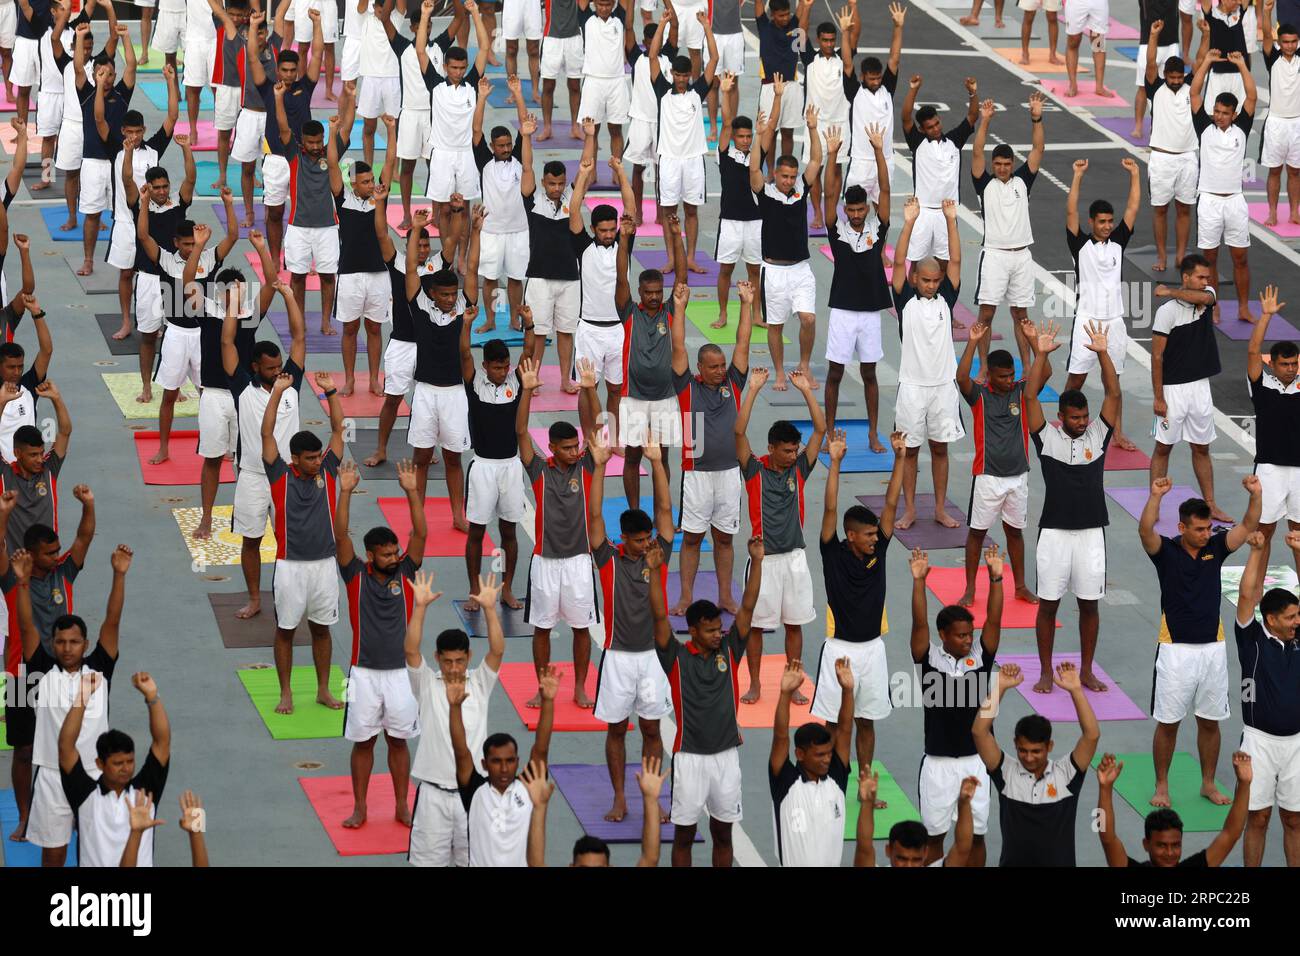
(975, 335)
(815, 412)
(530, 380)
(349, 478)
(1134, 202)
(919, 564)
(831, 186)
(21, 564)
(1038, 134)
(160, 728)
(325, 382)
(749, 599)
(986, 746)
(831, 507)
(1233, 826)
(792, 679)
(85, 527)
(1251, 588)
(757, 379)
(1072, 198)
(663, 499)
(651, 782)
(419, 219)
(1238, 533)
(909, 102)
(191, 168)
(1043, 341)
(600, 454)
(110, 629)
(1197, 96)
(15, 177)
(814, 165)
(954, 242)
(963, 836)
(1247, 81)
(271, 450)
(548, 681)
(481, 37)
(69, 756)
(456, 726)
(981, 136)
(1067, 678)
(128, 53)
(586, 174)
(677, 330)
(1153, 46)
(623, 261)
(911, 209)
(1108, 771)
(539, 790)
(488, 593)
(744, 326)
(991, 634)
(423, 595)
(864, 851)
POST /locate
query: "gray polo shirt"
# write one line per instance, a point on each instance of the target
(380, 610)
(705, 692)
(311, 201)
(647, 353)
(37, 499)
(1000, 428)
(709, 420)
(304, 509)
(776, 502)
(625, 585)
(561, 495)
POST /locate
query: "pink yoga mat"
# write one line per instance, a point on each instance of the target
(1086, 96)
(649, 210)
(614, 469)
(207, 138)
(552, 398)
(254, 260)
(1259, 212)
(947, 584)
(1112, 704)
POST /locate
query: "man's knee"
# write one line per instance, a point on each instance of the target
(1258, 819)
(938, 449)
(868, 372)
(834, 373)
(807, 320)
(365, 745)
(692, 539)
(1290, 818)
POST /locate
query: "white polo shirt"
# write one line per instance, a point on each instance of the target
(55, 693)
(1097, 267)
(599, 269)
(823, 80)
(104, 818)
(1223, 152)
(198, 20)
(936, 164)
(925, 327)
(453, 114)
(1171, 118)
(603, 54)
(681, 118)
(498, 822)
(645, 105)
(1283, 86)
(1006, 208)
(500, 182)
(809, 815)
(435, 761)
(377, 56)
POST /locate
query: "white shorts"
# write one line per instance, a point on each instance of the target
(711, 499)
(1275, 769)
(641, 422)
(1280, 487)
(439, 828)
(791, 103)
(1163, 53)
(380, 700)
(928, 413)
(305, 246)
(96, 186)
(1006, 275)
(200, 52)
(680, 180)
(1187, 7)
(364, 295)
(731, 53)
(494, 489)
(706, 783)
(399, 367)
(929, 235)
(561, 590)
(1190, 415)
(631, 682)
(252, 504)
(786, 291)
(562, 56)
(121, 244)
(1073, 561)
(642, 147)
(49, 112)
(275, 180)
(605, 99)
(218, 423)
(379, 96)
(227, 107)
(453, 171)
(1190, 677)
(413, 134)
(939, 786)
(50, 821)
(1087, 16)
(439, 417)
(602, 345)
(1051, 6)
(521, 19)
(148, 302)
(841, 123)
(26, 68)
(785, 595)
(1172, 176)
(870, 680)
(71, 139)
(1281, 142)
(863, 172)
(146, 4)
(994, 498)
(350, 61)
(168, 31)
(302, 25)
(1222, 219)
(250, 132)
(1083, 360)
(182, 355)
(1224, 83)
(853, 337)
(307, 589)
(739, 239)
(500, 252)
(555, 304)
(690, 35)
(8, 25)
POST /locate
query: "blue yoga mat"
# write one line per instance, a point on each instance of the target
(156, 90)
(613, 509)
(859, 457)
(56, 216)
(27, 854)
(1048, 394)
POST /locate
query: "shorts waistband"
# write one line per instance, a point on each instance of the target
(602, 325)
(438, 786)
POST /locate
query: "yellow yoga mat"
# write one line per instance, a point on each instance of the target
(125, 386)
(224, 545)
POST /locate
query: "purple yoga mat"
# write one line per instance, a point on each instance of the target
(968, 318)
(604, 175)
(1238, 331)
(315, 341)
(706, 589)
(1134, 499)
(1123, 126)
(259, 214)
(587, 791)
(1112, 704)
(560, 139)
(658, 259)
(925, 533)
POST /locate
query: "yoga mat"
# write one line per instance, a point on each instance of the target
(1086, 97)
(519, 681)
(587, 791)
(813, 231)
(791, 398)
(705, 589)
(552, 397)
(925, 533)
(224, 546)
(948, 584)
(156, 91)
(704, 312)
(559, 139)
(1277, 576)
(1133, 500)
(1117, 459)
(125, 386)
(107, 325)
(512, 620)
(1129, 51)
(967, 318)
(500, 99)
(183, 466)
(361, 404)
(1123, 126)
(649, 211)
(1122, 31)
(859, 457)
(1046, 394)
(363, 443)
(219, 208)
(763, 713)
(255, 261)
(100, 282)
(1287, 230)
(28, 854)
(899, 807)
(658, 259)
(55, 216)
(316, 342)
(157, 60)
(331, 798)
(1138, 782)
(9, 135)
(309, 720)
(1239, 331)
(1038, 62)
(34, 175)
(257, 631)
(394, 213)
(444, 541)
(207, 138)
(613, 469)
(501, 328)
(1112, 704)
(615, 506)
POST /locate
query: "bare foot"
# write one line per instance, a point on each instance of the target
(680, 607)
(1294, 218)
(160, 456)
(378, 458)
(327, 329)
(544, 135)
(376, 389)
(967, 599)
(751, 695)
(1244, 314)
(1071, 90)
(618, 811)
(798, 698)
(1210, 792)
(958, 323)
(780, 384)
(1103, 91)
(1161, 797)
(219, 185)
(1089, 680)
(1218, 514)
(471, 604)
(20, 832)
(816, 225)
(326, 699)
(874, 441)
(204, 530)
(286, 704)
(1053, 59)
(1044, 685)
(1024, 594)
(68, 226)
(510, 601)
(945, 519)
(145, 397)
(1158, 265)
(581, 700)
(568, 388)
(693, 266)
(402, 814)
(86, 268)
(1000, 24)
(534, 702)
(908, 519)
(1124, 442)
(460, 524)
(576, 132)
(729, 605)
(38, 186)
(349, 386)
(1271, 219)
(1024, 58)
(719, 323)
(124, 332)
(251, 609)
(358, 817)
(1136, 133)
(405, 224)
(247, 221)
(331, 96)
(969, 21)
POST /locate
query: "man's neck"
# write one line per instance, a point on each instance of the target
(1186, 546)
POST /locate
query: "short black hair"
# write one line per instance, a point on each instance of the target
(304, 442)
(1001, 358)
(378, 537)
(1100, 207)
(312, 128)
(452, 639)
(635, 521)
(1034, 728)
(826, 27)
(702, 610)
(132, 118)
(561, 431)
(1194, 508)
(113, 742)
(1162, 819)
(1286, 349)
(1072, 398)
(860, 516)
(228, 276)
(872, 64)
(708, 348)
(185, 229)
(1276, 601)
(499, 131)
(953, 614)
(779, 5)
(66, 622)
(909, 834)
(1287, 30)
(1003, 151)
(12, 350)
(496, 350)
(783, 433)
(585, 845)
(925, 114)
(38, 535)
(855, 195)
(650, 277)
(811, 734)
(1191, 262)
(288, 56)
(603, 213)
(265, 349)
(787, 160)
(554, 167)
(361, 167)
(444, 279)
(1175, 64)
(29, 436)
(681, 64)
(742, 122)
(499, 740)
(457, 53)
(1227, 99)
(155, 173)
(648, 32)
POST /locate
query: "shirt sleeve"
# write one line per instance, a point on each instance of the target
(275, 469)
(77, 785)
(889, 81)
(1163, 323)
(399, 44)
(901, 298)
(914, 137)
(1076, 241)
(751, 467)
(1026, 176)
(1200, 120)
(295, 370)
(482, 153)
(1153, 87)
(949, 292)
(1121, 234)
(701, 87)
(851, 86)
(581, 240)
(1244, 121)
(667, 655)
(980, 181)
(534, 467)
(975, 395)
(152, 776)
(350, 570)
(737, 642)
(960, 133)
(804, 466)
(602, 553)
(160, 140)
(468, 790)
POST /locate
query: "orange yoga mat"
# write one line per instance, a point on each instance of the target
(949, 583)
(763, 713)
(444, 541)
(331, 798)
(360, 404)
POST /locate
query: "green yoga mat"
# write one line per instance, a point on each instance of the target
(702, 313)
(900, 808)
(1138, 782)
(309, 719)
(125, 386)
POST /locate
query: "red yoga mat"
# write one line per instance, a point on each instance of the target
(183, 467)
(519, 681)
(444, 541)
(254, 260)
(949, 583)
(763, 713)
(361, 404)
(331, 798)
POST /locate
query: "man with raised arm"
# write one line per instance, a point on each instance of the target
(907, 840)
(1275, 395)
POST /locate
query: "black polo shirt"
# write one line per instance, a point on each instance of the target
(1190, 591)
(1270, 680)
(855, 588)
